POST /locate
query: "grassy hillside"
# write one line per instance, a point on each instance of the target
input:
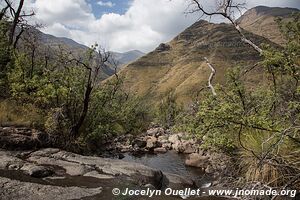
(179, 65)
(261, 20)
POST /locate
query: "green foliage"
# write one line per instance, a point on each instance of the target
(221, 120)
(5, 54)
(113, 112)
(168, 110)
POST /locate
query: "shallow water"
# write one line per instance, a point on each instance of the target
(171, 162)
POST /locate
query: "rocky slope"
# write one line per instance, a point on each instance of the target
(261, 21)
(179, 65)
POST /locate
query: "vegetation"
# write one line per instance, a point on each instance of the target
(261, 122)
(65, 95)
(62, 93)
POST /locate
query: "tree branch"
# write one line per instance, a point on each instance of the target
(225, 10)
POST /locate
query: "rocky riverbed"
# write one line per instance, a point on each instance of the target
(52, 173)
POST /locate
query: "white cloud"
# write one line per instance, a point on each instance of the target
(143, 26)
(106, 4)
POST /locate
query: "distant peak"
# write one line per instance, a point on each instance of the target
(273, 11)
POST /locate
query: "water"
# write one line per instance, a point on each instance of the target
(171, 162)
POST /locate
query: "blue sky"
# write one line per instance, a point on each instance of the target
(123, 25)
(112, 6)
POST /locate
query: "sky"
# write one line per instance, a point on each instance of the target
(123, 25)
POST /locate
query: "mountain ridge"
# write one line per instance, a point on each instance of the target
(179, 66)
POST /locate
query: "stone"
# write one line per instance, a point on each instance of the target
(167, 146)
(189, 148)
(149, 186)
(177, 146)
(174, 139)
(36, 171)
(151, 142)
(13, 189)
(160, 150)
(96, 174)
(163, 47)
(178, 182)
(139, 143)
(196, 160)
(157, 131)
(209, 169)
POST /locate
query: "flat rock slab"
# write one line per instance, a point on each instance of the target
(13, 189)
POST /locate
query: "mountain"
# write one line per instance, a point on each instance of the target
(127, 57)
(261, 21)
(179, 65)
(47, 40)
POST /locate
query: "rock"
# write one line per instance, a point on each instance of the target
(36, 171)
(167, 146)
(13, 138)
(163, 47)
(177, 182)
(149, 186)
(160, 150)
(163, 139)
(13, 189)
(196, 160)
(174, 139)
(151, 142)
(189, 148)
(96, 174)
(125, 149)
(139, 143)
(209, 169)
(78, 165)
(158, 131)
(177, 146)
(9, 161)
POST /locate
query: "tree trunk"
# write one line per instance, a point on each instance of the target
(75, 129)
(15, 23)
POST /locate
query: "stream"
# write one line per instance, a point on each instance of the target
(171, 162)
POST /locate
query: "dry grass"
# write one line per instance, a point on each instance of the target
(278, 167)
(15, 114)
(183, 70)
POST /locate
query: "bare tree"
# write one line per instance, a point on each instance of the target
(18, 19)
(226, 9)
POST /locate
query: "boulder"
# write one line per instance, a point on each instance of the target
(189, 148)
(163, 47)
(160, 150)
(13, 189)
(157, 131)
(197, 160)
(151, 142)
(177, 182)
(167, 146)
(178, 147)
(36, 170)
(139, 143)
(174, 138)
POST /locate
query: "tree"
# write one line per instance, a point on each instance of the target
(226, 9)
(96, 60)
(18, 19)
(262, 123)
